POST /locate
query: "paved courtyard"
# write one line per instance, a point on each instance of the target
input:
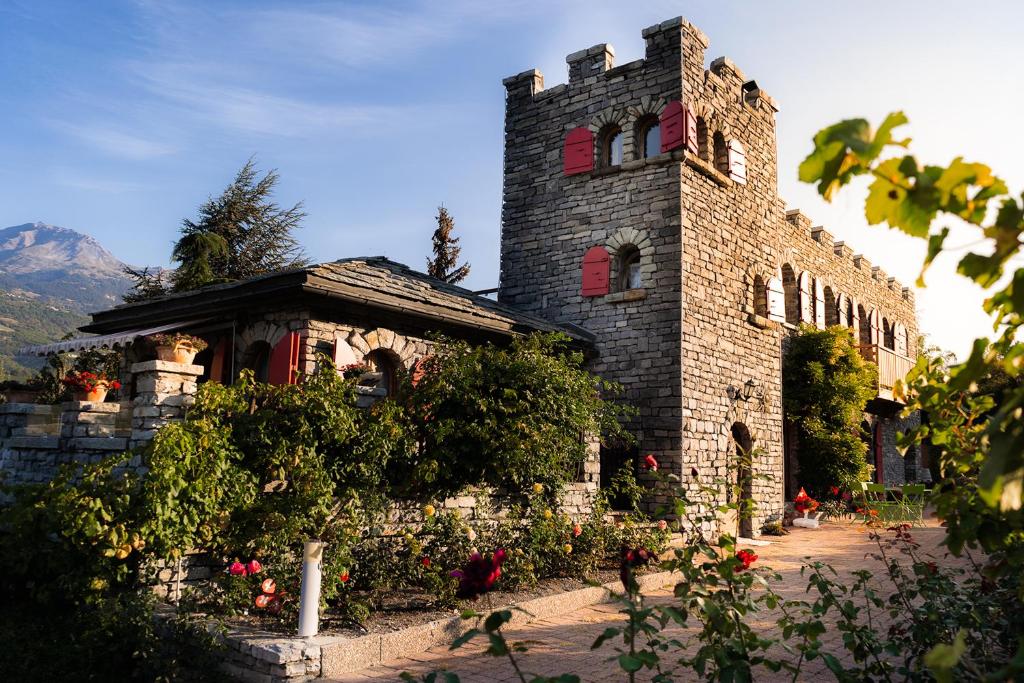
(563, 643)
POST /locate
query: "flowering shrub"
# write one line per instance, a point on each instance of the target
(86, 381)
(804, 503)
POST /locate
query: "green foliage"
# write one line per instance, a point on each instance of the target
(825, 386)
(506, 417)
(240, 234)
(443, 265)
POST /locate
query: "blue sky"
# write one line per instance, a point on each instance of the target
(120, 118)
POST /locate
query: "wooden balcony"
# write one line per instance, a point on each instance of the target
(891, 367)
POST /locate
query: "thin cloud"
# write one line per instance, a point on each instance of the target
(190, 88)
(115, 142)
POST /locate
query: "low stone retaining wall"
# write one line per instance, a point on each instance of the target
(256, 656)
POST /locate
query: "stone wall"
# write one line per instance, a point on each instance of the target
(685, 343)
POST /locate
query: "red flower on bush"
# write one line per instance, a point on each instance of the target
(236, 569)
(632, 558)
(650, 462)
(253, 567)
(425, 561)
(747, 558)
(263, 601)
(479, 574)
(88, 381)
(834, 490)
(344, 577)
(804, 503)
(269, 586)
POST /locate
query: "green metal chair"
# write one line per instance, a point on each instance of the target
(877, 498)
(913, 502)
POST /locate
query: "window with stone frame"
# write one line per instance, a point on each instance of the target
(257, 359)
(648, 136)
(384, 371)
(760, 296)
(703, 150)
(611, 146)
(721, 153)
(628, 274)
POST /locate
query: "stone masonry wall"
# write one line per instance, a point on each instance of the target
(689, 340)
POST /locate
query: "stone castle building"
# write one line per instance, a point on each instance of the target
(640, 216)
(641, 203)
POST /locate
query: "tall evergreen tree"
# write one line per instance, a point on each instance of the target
(446, 251)
(240, 234)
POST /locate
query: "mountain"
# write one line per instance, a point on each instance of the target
(50, 278)
(61, 265)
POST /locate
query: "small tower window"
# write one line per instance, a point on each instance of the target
(649, 138)
(611, 147)
(629, 269)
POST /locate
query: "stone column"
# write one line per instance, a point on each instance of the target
(164, 392)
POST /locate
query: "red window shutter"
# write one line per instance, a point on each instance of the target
(673, 127)
(219, 360)
(284, 361)
(776, 300)
(579, 151)
(596, 266)
(692, 145)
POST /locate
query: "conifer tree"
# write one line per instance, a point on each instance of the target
(446, 251)
(238, 235)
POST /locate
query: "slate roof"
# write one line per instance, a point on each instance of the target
(375, 282)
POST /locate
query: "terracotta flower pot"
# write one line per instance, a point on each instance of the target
(97, 395)
(177, 354)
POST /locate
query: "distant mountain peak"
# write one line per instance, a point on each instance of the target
(63, 265)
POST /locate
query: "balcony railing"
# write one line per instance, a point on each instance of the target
(891, 367)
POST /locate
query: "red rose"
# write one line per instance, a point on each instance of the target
(253, 567)
(237, 569)
(344, 577)
(425, 561)
(650, 462)
(479, 574)
(747, 558)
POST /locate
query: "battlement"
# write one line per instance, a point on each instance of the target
(846, 254)
(675, 45)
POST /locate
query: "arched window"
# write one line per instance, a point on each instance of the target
(384, 370)
(702, 139)
(760, 297)
(257, 359)
(864, 327)
(831, 308)
(611, 146)
(888, 335)
(648, 137)
(721, 151)
(792, 297)
(628, 268)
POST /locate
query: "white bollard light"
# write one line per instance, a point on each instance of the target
(309, 600)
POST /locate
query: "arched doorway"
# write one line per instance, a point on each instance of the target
(742, 489)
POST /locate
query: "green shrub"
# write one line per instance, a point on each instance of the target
(825, 386)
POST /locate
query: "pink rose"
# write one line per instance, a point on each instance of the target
(662, 524)
(237, 569)
(650, 462)
(254, 567)
(577, 530)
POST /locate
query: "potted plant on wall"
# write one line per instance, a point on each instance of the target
(89, 386)
(177, 347)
